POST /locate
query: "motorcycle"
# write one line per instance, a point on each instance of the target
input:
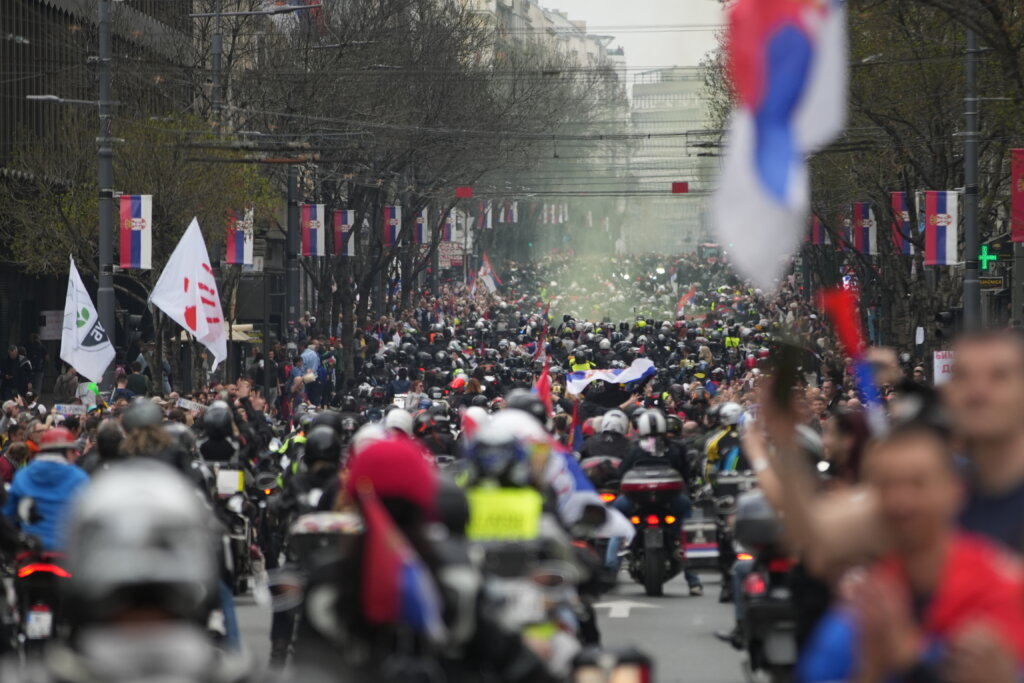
(240, 548)
(769, 628)
(655, 553)
(39, 596)
(603, 473)
(727, 488)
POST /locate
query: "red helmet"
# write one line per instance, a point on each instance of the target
(458, 384)
(57, 439)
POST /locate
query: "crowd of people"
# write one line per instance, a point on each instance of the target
(902, 529)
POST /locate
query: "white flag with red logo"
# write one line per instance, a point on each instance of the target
(187, 293)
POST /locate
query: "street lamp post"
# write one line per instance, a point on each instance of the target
(105, 293)
(972, 287)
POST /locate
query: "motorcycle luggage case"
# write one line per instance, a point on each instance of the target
(756, 522)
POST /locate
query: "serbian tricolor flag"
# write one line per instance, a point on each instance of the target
(940, 221)
(314, 232)
(392, 225)
(137, 231)
(397, 586)
(901, 223)
(865, 232)
(487, 275)
(487, 215)
(420, 231)
(448, 230)
(238, 242)
(818, 234)
(1017, 195)
(344, 221)
(685, 299)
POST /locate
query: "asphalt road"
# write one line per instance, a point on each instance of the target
(677, 630)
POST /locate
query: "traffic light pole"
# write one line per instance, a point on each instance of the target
(972, 288)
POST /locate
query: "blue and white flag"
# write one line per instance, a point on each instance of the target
(642, 368)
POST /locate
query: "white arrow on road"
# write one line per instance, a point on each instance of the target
(620, 609)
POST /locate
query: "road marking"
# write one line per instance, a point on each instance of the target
(620, 609)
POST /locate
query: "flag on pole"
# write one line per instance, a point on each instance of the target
(865, 230)
(542, 387)
(1017, 195)
(448, 231)
(487, 215)
(239, 240)
(314, 231)
(84, 344)
(818, 233)
(421, 230)
(901, 224)
(187, 293)
(685, 300)
(344, 221)
(940, 222)
(513, 211)
(487, 275)
(787, 62)
(137, 231)
(392, 225)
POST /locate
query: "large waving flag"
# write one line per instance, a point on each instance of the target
(344, 221)
(187, 293)
(642, 368)
(392, 225)
(314, 230)
(901, 224)
(239, 241)
(84, 344)
(940, 219)
(397, 587)
(137, 231)
(685, 300)
(487, 275)
(786, 59)
(865, 230)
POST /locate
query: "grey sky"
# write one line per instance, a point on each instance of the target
(650, 46)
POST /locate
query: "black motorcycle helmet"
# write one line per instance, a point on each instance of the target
(527, 401)
(349, 404)
(327, 418)
(673, 426)
(480, 400)
(218, 422)
(322, 445)
(140, 413)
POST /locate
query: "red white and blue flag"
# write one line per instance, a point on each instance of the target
(344, 221)
(901, 223)
(314, 230)
(137, 231)
(865, 230)
(685, 300)
(239, 240)
(818, 234)
(487, 215)
(397, 586)
(940, 222)
(392, 225)
(787, 62)
(487, 276)
(509, 212)
(448, 230)
(421, 229)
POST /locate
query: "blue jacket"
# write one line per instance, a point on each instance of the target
(52, 485)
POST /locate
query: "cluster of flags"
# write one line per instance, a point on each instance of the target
(938, 224)
(555, 214)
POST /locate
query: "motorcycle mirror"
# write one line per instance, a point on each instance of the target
(235, 503)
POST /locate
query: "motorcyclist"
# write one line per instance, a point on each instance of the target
(143, 579)
(41, 492)
(723, 450)
(653, 449)
(612, 440)
(219, 444)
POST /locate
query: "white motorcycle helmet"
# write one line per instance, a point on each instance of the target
(140, 532)
(651, 423)
(399, 420)
(615, 421)
(729, 413)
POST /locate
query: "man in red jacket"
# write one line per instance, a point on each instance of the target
(940, 601)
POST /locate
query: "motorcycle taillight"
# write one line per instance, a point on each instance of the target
(755, 585)
(780, 565)
(44, 568)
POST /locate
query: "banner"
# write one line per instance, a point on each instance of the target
(239, 240)
(344, 221)
(642, 368)
(314, 232)
(137, 231)
(84, 344)
(940, 220)
(392, 225)
(1017, 195)
(187, 293)
(421, 230)
(818, 234)
(865, 230)
(901, 225)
